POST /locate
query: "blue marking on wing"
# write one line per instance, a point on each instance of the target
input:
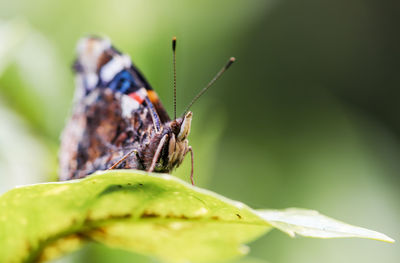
(124, 82)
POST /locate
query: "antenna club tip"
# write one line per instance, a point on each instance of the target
(173, 43)
(230, 62)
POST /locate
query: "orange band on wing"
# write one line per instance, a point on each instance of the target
(153, 96)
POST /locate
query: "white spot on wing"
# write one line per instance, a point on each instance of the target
(98, 44)
(89, 50)
(128, 105)
(142, 92)
(114, 66)
(91, 79)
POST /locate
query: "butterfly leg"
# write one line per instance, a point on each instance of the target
(123, 159)
(192, 160)
(157, 153)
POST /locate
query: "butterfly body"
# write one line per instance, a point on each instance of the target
(118, 116)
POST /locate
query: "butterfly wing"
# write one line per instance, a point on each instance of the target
(100, 64)
(115, 111)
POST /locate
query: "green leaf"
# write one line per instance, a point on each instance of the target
(152, 214)
(310, 223)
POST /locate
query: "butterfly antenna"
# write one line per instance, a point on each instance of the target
(174, 62)
(219, 74)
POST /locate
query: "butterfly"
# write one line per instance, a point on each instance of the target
(118, 120)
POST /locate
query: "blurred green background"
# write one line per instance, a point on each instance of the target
(307, 117)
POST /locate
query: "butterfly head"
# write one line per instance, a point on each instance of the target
(172, 142)
(178, 144)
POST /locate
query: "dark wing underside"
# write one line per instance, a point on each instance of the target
(112, 113)
(98, 135)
